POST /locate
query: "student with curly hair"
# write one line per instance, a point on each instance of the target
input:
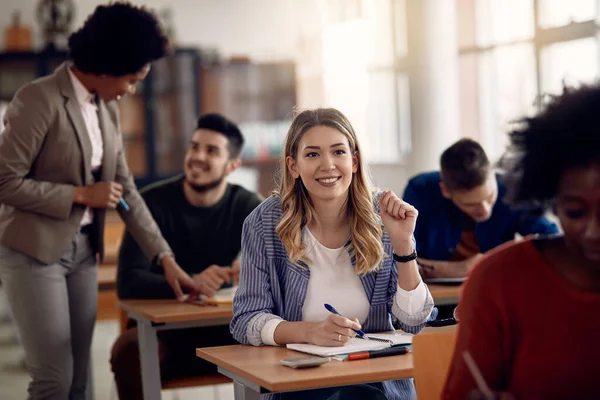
(528, 311)
(320, 240)
(62, 164)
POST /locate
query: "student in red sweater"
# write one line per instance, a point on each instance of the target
(529, 311)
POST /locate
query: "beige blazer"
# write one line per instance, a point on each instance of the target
(45, 151)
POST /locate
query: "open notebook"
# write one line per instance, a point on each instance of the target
(222, 296)
(356, 344)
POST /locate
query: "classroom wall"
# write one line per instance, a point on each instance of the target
(390, 177)
(261, 29)
(264, 30)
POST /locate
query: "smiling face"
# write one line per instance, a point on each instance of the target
(578, 209)
(324, 162)
(208, 161)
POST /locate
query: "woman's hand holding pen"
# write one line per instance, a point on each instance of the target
(334, 331)
(482, 391)
(99, 195)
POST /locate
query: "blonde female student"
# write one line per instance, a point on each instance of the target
(320, 240)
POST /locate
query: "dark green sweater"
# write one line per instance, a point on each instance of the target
(199, 237)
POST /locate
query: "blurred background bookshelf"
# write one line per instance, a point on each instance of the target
(159, 120)
(261, 99)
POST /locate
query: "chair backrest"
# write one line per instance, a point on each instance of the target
(432, 352)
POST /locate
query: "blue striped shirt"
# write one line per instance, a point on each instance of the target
(271, 286)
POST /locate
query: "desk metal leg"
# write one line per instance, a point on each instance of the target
(242, 392)
(148, 344)
(243, 389)
(89, 388)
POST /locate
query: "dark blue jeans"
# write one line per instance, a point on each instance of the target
(371, 391)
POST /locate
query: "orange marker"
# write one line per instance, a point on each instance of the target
(363, 355)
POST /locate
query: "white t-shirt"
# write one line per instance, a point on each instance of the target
(333, 281)
(89, 112)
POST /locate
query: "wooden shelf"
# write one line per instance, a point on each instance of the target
(147, 118)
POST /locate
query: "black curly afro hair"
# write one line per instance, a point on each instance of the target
(118, 39)
(565, 135)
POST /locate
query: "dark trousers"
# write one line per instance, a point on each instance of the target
(176, 354)
(371, 391)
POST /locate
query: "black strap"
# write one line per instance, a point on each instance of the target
(404, 259)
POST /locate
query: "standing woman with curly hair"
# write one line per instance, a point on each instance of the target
(62, 165)
(528, 313)
(320, 240)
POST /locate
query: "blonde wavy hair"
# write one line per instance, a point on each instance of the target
(365, 225)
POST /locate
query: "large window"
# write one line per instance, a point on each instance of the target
(506, 91)
(555, 13)
(568, 63)
(517, 52)
(357, 67)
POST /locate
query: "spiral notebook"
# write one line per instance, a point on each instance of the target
(378, 341)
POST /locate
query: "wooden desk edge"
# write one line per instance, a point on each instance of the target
(129, 308)
(304, 385)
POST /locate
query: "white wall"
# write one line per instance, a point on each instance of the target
(390, 177)
(262, 29)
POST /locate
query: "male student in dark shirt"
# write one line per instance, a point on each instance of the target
(462, 213)
(201, 216)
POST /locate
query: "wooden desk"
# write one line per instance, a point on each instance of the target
(107, 277)
(157, 315)
(113, 234)
(444, 294)
(256, 370)
(107, 294)
(169, 311)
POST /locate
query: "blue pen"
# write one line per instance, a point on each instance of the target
(330, 308)
(124, 204)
